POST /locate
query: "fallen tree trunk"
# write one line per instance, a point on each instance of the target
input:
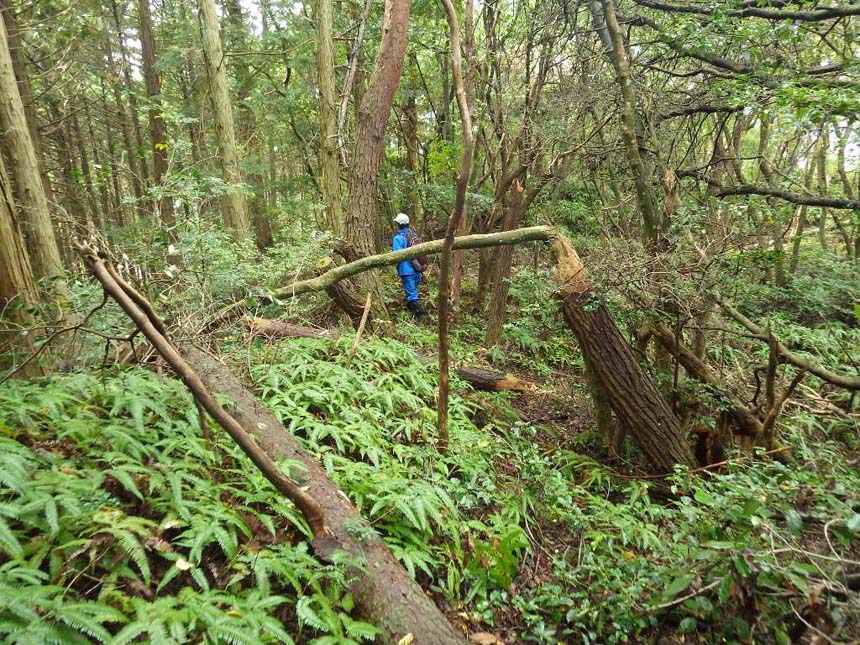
(632, 394)
(333, 276)
(785, 354)
(384, 593)
(479, 378)
(491, 381)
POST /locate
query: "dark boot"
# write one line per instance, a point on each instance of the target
(417, 310)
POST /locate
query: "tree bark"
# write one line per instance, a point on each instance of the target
(126, 129)
(455, 222)
(233, 202)
(142, 167)
(621, 63)
(633, 396)
(329, 164)
(77, 139)
(248, 130)
(36, 217)
(362, 222)
(384, 593)
(16, 51)
(17, 290)
(333, 276)
(156, 121)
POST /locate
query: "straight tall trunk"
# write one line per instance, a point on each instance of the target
(372, 119)
(116, 197)
(233, 203)
(77, 136)
(17, 290)
(36, 218)
(99, 171)
(620, 61)
(156, 122)
(329, 165)
(822, 187)
(16, 51)
(127, 130)
(247, 130)
(362, 223)
(502, 270)
(142, 166)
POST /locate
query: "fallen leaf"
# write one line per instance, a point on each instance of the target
(406, 640)
(486, 638)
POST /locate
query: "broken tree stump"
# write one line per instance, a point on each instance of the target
(490, 381)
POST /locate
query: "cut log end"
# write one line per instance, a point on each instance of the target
(490, 381)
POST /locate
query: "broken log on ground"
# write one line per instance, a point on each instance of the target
(479, 378)
(384, 593)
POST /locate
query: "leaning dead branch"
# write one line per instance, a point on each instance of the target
(145, 318)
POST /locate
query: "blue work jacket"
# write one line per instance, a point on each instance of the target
(399, 243)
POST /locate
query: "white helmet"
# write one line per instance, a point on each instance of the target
(402, 219)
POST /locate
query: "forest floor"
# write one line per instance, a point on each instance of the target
(121, 520)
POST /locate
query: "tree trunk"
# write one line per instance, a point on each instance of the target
(746, 420)
(156, 122)
(633, 396)
(36, 218)
(116, 197)
(140, 161)
(502, 271)
(384, 593)
(621, 63)
(16, 51)
(74, 203)
(17, 291)
(77, 136)
(822, 186)
(233, 203)
(99, 171)
(132, 158)
(776, 226)
(329, 164)
(361, 220)
(248, 130)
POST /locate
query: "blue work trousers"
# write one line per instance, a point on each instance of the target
(410, 286)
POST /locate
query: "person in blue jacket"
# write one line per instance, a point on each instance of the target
(408, 270)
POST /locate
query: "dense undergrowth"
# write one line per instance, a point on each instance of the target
(121, 520)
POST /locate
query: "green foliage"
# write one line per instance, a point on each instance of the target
(119, 523)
